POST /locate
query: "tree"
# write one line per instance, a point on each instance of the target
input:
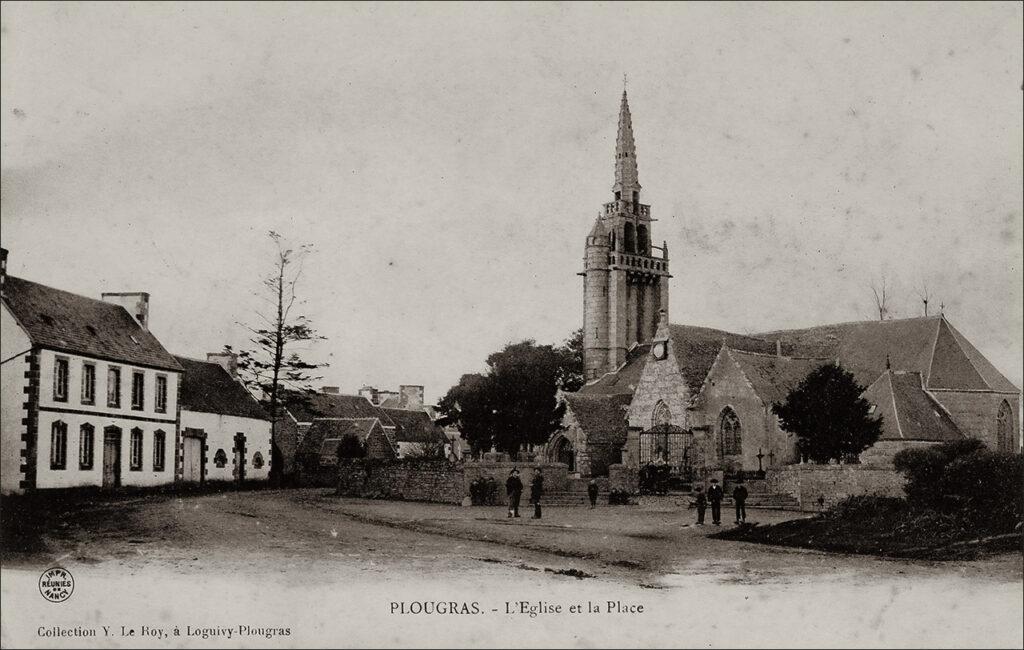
(274, 369)
(828, 415)
(882, 291)
(513, 403)
(351, 447)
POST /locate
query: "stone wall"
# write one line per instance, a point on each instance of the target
(422, 480)
(975, 413)
(833, 483)
(882, 452)
(556, 475)
(624, 477)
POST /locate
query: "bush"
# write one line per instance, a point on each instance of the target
(924, 468)
(989, 485)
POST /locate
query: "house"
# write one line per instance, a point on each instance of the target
(415, 433)
(89, 395)
(225, 433)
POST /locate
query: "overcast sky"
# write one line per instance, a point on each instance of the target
(448, 161)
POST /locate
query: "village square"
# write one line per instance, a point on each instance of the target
(645, 463)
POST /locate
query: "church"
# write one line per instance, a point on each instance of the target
(700, 399)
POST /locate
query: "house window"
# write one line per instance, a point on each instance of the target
(730, 433)
(161, 393)
(135, 456)
(60, 379)
(257, 460)
(85, 446)
(138, 390)
(159, 450)
(220, 459)
(88, 383)
(59, 445)
(114, 387)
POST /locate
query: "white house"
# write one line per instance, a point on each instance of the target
(89, 396)
(225, 435)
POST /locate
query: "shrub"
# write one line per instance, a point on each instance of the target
(924, 468)
(989, 485)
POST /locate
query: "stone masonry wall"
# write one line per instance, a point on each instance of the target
(423, 480)
(975, 413)
(833, 483)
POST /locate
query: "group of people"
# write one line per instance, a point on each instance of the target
(514, 488)
(714, 496)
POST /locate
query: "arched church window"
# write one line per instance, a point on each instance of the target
(629, 238)
(730, 433)
(1004, 427)
(662, 416)
(641, 240)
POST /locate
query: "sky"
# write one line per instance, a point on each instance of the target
(447, 162)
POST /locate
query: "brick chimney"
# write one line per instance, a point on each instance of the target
(136, 302)
(226, 360)
(330, 390)
(410, 397)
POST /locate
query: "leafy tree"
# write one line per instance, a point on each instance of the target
(829, 416)
(512, 404)
(274, 369)
(351, 447)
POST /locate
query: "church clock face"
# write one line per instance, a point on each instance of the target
(660, 350)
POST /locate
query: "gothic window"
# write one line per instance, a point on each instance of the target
(86, 440)
(730, 435)
(59, 445)
(641, 240)
(1004, 427)
(220, 459)
(257, 460)
(662, 415)
(629, 238)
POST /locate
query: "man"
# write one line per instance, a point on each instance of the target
(715, 495)
(739, 495)
(701, 501)
(514, 488)
(536, 491)
(592, 492)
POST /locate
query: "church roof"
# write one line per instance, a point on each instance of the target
(908, 411)
(624, 380)
(929, 346)
(696, 348)
(626, 175)
(206, 387)
(773, 377)
(61, 320)
(601, 417)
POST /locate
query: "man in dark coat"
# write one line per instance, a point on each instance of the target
(536, 492)
(592, 492)
(739, 495)
(715, 495)
(514, 488)
(700, 500)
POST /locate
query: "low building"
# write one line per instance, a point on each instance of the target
(225, 433)
(415, 434)
(89, 395)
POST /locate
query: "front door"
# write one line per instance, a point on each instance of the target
(111, 459)
(239, 457)
(192, 460)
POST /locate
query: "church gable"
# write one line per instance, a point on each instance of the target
(661, 382)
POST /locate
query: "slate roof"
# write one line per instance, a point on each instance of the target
(328, 405)
(929, 346)
(207, 387)
(771, 376)
(908, 411)
(66, 321)
(413, 426)
(623, 381)
(601, 417)
(327, 429)
(696, 348)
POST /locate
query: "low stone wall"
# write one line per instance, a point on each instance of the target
(833, 483)
(882, 452)
(556, 475)
(624, 477)
(409, 480)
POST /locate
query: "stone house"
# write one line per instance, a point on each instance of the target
(89, 395)
(225, 433)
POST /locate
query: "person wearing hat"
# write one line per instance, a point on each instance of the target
(514, 488)
(700, 500)
(536, 491)
(739, 496)
(715, 495)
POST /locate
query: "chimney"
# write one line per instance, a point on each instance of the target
(370, 393)
(3, 272)
(136, 302)
(778, 347)
(330, 390)
(226, 360)
(410, 397)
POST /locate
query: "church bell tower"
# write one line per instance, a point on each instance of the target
(625, 277)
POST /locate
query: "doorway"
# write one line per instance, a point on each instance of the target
(111, 457)
(239, 457)
(192, 459)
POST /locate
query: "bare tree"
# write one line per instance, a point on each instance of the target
(924, 295)
(882, 290)
(274, 368)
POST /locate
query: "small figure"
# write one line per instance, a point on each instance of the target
(701, 502)
(739, 495)
(536, 491)
(592, 492)
(514, 488)
(715, 495)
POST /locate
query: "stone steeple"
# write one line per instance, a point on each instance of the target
(626, 178)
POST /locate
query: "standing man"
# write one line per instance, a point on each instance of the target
(536, 491)
(715, 495)
(739, 495)
(514, 488)
(592, 492)
(701, 501)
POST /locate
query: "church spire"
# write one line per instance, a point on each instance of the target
(626, 180)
